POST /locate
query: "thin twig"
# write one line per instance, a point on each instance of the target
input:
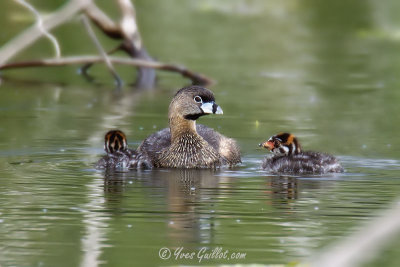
(84, 69)
(107, 25)
(30, 35)
(104, 55)
(39, 23)
(196, 78)
(127, 31)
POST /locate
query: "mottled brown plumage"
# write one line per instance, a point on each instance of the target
(290, 159)
(119, 156)
(185, 144)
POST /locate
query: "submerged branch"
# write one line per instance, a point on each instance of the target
(103, 54)
(196, 78)
(84, 69)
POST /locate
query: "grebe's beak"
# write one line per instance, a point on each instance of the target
(211, 108)
(268, 145)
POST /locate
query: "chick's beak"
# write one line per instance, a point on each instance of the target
(268, 145)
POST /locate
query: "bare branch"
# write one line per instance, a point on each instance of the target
(133, 43)
(128, 23)
(127, 31)
(39, 23)
(84, 69)
(30, 35)
(101, 51)
(102, 21)
(196, 78)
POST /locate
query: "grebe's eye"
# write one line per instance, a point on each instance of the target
(277, 143)
(198, 99)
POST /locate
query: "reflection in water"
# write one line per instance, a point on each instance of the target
(96, 225)
(184, 192)
(284, 189)
(114, 183)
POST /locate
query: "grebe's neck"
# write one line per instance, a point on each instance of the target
(180, 126)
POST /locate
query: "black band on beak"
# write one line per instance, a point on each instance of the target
(214, 108)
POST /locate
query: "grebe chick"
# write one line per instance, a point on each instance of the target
(290, 159)
(119, 156)
(185, 144)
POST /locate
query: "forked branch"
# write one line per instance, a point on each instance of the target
(125, 30)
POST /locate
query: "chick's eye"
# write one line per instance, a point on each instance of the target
(197, 99)
(277, 143)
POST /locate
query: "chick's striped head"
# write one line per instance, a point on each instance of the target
(282, 144)
(115, 140)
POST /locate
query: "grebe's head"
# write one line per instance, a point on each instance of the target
(282, 144)
(193, 102)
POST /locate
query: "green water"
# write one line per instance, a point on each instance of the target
(326, 71)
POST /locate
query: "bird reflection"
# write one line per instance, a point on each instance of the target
(188, 220)
(284, 188)
(114, 182)
(186, 198)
